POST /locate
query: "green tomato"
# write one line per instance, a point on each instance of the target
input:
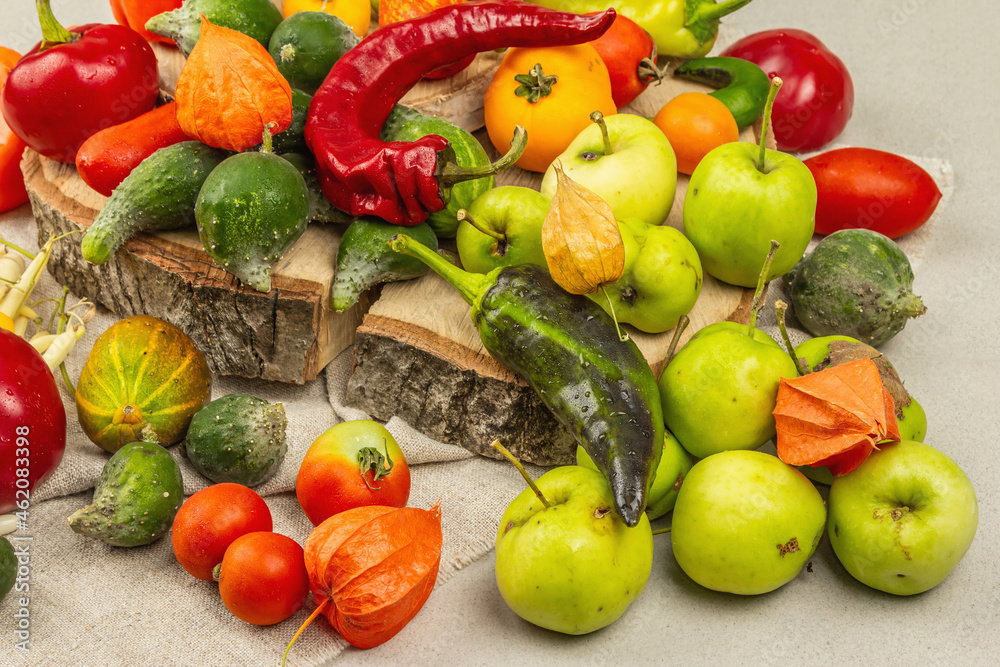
(573, 567)
(719, 391)
(503, 227)
(745, 522)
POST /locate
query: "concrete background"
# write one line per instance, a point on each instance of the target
(925, 76)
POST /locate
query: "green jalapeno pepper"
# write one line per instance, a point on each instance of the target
(682, 28)
(568, 350)
(742, 85)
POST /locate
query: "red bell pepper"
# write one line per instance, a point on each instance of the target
(135, 13)
(817, 97)
(12, 192)
(77, 82)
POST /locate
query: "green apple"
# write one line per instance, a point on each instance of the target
(719, 391)
(745, 522)
(740, 198)
(903, 520)
(502, 227)
(627, 161)
(573, 567)
(661, 280)
(674, 464)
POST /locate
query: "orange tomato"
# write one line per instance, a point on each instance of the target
(12, 192)
(695, 123)
(553, 105)
(357, 14)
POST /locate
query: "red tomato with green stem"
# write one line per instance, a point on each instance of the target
(263, 578)
(353, 464)
(212, 519)
(630, 55)
(864, 188)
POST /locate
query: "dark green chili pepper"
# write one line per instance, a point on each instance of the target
(741, 85)
(567, 349)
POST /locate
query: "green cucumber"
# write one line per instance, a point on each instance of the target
(250, 211)
(293, 139)
(364, 258)
(320, 208)
(238, 438)
(136, 497)
(255, 18)
(8, 567)
(856, 283)
(307, 44)
(405, 124)
(158, 194)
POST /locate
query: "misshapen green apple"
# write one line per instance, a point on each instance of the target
(661, 281)
(632, 167)
(573, 567)
(502, 227)
(903, 520)
(745, 522)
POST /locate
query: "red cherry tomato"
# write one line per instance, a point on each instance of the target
(263, 578)
(817, 97)
(352, 464)
(863, 188)
(210, 520)
(32, 422)
(630, 55)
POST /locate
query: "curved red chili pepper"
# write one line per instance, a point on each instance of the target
(398, 181)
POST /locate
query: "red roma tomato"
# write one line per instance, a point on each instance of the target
(630, 54)
(352, 464)
(32, 422)
(817, 95)
(863, 188)
(210, 520)
(263, 578)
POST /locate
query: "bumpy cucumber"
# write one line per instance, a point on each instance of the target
(855, 283)
(405, 124)
(254, 18)
(307, 44)
(159, 194)
(238, 438)
(136, 497)
(364, 259)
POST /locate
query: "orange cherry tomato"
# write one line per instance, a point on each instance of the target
(12, 192)
(550, 92)
(357, 14)
(263, 578)
(695, 123)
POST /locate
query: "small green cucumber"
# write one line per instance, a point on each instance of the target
(307, 44)
(364, 258)
(158, 194)
(855, 283)
(254, 18)
(136, 497)
(8, 567)
(238, 438)
(320, 208)
(405, 124)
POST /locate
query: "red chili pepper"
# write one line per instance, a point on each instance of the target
(403, 182)
(77, 82)
(135, 13)
(817, 95)
(12, 192)
(106, 158)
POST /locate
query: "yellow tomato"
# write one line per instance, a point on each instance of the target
(553, 104)
(357, 14)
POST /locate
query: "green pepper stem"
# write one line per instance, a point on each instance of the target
(450, 173)
(598, 118)
(771, 94)
(709, 12)
(463, 215)
(758, 295)
(780, 307)
(52, 31)
(469, 285)
(524, 473)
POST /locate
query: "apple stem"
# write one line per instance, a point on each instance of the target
(676, 340)
(463, 215)
(758, 295)
(771, 94)
(661, 531)
(598, 118)
(623, 337)
(779, 311)
(524, 473)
